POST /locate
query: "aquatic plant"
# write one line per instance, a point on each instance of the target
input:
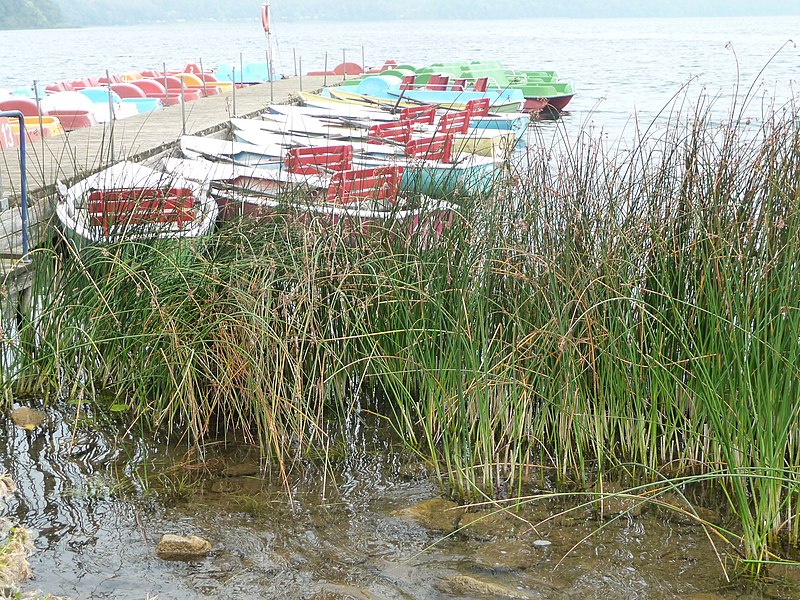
(607, 305)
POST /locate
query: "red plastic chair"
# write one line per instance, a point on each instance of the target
(437, 82)
(457, 122)
(479, 108)
(380, 183)
(319, 159)
(438, 147)
(419, 114)
(481, 84)
(393, 131)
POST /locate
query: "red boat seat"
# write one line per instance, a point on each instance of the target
(407, 82)
(457, 122)
(438, 147)
(319, 159)
(112, 208)
(128, 90)
(479, 107)
(113, 78)
(437, 82)
(481, 84)
(150, 86)
(58, 86)
(459, 85)
(393, 131)
(419, 114)
(26, 106)
(379, 183)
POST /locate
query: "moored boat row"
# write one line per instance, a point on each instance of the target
(363, 167)
(446, 83)
(74, 104)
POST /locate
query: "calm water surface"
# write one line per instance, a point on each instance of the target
(619, 67)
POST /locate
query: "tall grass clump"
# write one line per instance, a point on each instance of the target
(604, 306)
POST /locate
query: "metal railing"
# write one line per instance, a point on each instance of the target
(23, 178)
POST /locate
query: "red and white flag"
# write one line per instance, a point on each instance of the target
(265, 16)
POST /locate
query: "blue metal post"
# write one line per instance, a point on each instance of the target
(23, 170)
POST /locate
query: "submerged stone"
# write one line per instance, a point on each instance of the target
(677, 510)
(472, 586)
(28, 418)
(333, 591)
(177, 547)
(437, 514)
(487, 524)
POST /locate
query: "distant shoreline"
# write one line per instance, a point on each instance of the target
(793, 13)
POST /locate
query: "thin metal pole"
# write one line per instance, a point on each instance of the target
(166, 89)
(39, 111)
(294, 60)
(23, 174)
(23, 177)
(111, 117)
(344, 66)
(203, 77)
(269, 67)
(363, 60)
(183, 111)
(325, 76)
(233, 78)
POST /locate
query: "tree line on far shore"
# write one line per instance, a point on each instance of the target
(18, 14)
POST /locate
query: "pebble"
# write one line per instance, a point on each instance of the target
(177, 547)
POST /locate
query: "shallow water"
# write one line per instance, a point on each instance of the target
(98, 500)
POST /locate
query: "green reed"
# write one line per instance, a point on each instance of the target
(605, 306)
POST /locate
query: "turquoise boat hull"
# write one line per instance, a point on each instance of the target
(449, 182)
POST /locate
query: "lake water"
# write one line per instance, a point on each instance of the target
(619, 67)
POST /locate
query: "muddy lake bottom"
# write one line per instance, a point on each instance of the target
(365, 524)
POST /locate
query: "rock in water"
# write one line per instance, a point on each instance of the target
(474, 587)
(27, 418)
(437, 514)
(177, 547)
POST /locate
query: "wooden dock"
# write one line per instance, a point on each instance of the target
(79, 153)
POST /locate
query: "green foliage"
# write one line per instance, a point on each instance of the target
(614, 306)
(29, 14)
(114, 12)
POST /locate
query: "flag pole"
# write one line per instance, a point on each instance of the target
(268, 33)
